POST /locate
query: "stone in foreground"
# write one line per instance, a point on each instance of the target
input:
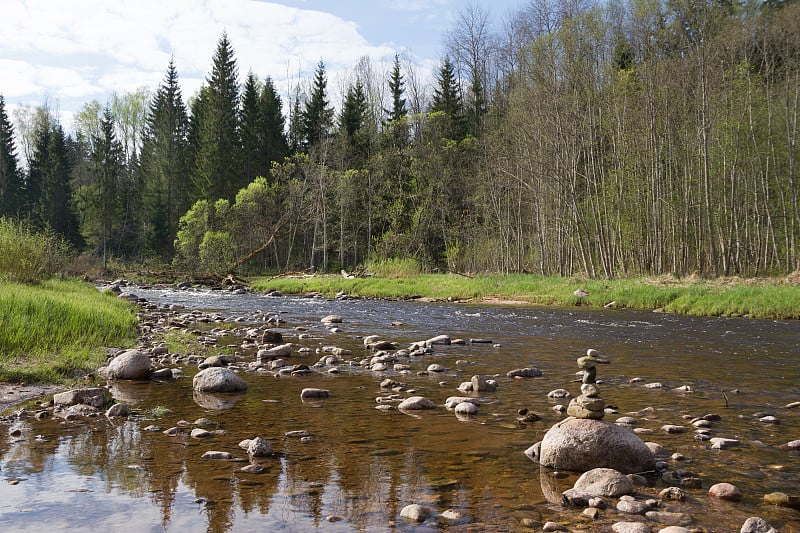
(580, 445)
(218, 379)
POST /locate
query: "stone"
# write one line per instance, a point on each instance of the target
(252, 469)
(118, 409)
(725, 491)
(416, 403)
(415, 513)
(575, 497)
(575, 410)
(266, 354)
(559, 393)
(553, 526)
(782, 499)
(481, 384)
(669, 518)
(755, 524)
(533, 452)
(439, 339)
(581, 444)
(466, 408)
(527, 372)
(217, 455)
(672, 429)
(672, 493)
(720, 443)
(200, 433)
(604, 482)
(630, 527)
(453, 517)
(92, 396)
(310, 393)
(589, 389)
(674, 529)
(632, 507)
(218, 379)
(331, 319)
(258, 447)
(592, 403)
(130, 364)
(791, 445)
(589, 375)
(591, 512)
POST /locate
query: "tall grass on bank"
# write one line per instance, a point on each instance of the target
(56, 330)
(29, 256)
(763, 299)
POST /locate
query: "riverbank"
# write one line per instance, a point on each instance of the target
(56, 331)
(767, 298)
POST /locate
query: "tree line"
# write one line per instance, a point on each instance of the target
(603, 139)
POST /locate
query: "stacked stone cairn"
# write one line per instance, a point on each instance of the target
(589, 405)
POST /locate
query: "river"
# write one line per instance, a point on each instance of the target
(361, 466)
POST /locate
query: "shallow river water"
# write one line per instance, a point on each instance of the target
(361, 466)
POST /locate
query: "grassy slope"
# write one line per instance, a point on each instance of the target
(756, 299)
(55, 331)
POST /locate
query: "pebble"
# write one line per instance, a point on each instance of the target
(630, 527)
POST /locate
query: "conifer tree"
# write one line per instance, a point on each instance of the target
(11, 179)
(447, 100)
(352, 120)
(252, 135)
(164, 164)
(272, 124)
(107, 170)
(398, 110)
(217, 152)
(317, 117)
(50, 171)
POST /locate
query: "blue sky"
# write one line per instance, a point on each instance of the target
(69, 52)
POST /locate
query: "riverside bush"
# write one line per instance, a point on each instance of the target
(27, 256)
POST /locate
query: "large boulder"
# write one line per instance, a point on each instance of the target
(218, 379)
(130, 364)
(583, 444)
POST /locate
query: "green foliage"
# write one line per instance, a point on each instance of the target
(12, 191)
(57, 330)
(317, 115)
(216, 251)
(28, 256)
(395, 267)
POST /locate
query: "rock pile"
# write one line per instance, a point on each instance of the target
(589, 404)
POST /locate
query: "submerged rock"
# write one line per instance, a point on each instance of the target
(416, 403)
(604, 482)
(584, 444)
(415, 513)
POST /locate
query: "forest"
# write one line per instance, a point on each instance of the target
(606, 139)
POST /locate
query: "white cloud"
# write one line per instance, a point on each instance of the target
(78, 50)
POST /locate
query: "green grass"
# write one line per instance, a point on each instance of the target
(56, 331)
(772, 298)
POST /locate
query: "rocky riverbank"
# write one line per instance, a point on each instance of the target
(662, 498)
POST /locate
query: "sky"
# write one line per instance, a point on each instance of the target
(69, 52)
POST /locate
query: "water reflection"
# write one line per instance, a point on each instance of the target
(360, 466)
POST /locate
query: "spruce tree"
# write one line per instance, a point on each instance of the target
(107, 170)
(11, 180)
(447, 100)
(352, 119)
(164, 165)
(253, 163)
(217, 152)
(273, 124)
(317, 117)
(396, 88)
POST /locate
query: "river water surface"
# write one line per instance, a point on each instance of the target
(361, 466)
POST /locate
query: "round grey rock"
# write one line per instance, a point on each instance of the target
(755, 524)
(130, 364)
(584, 444)
(415, 403)
(218, 379)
